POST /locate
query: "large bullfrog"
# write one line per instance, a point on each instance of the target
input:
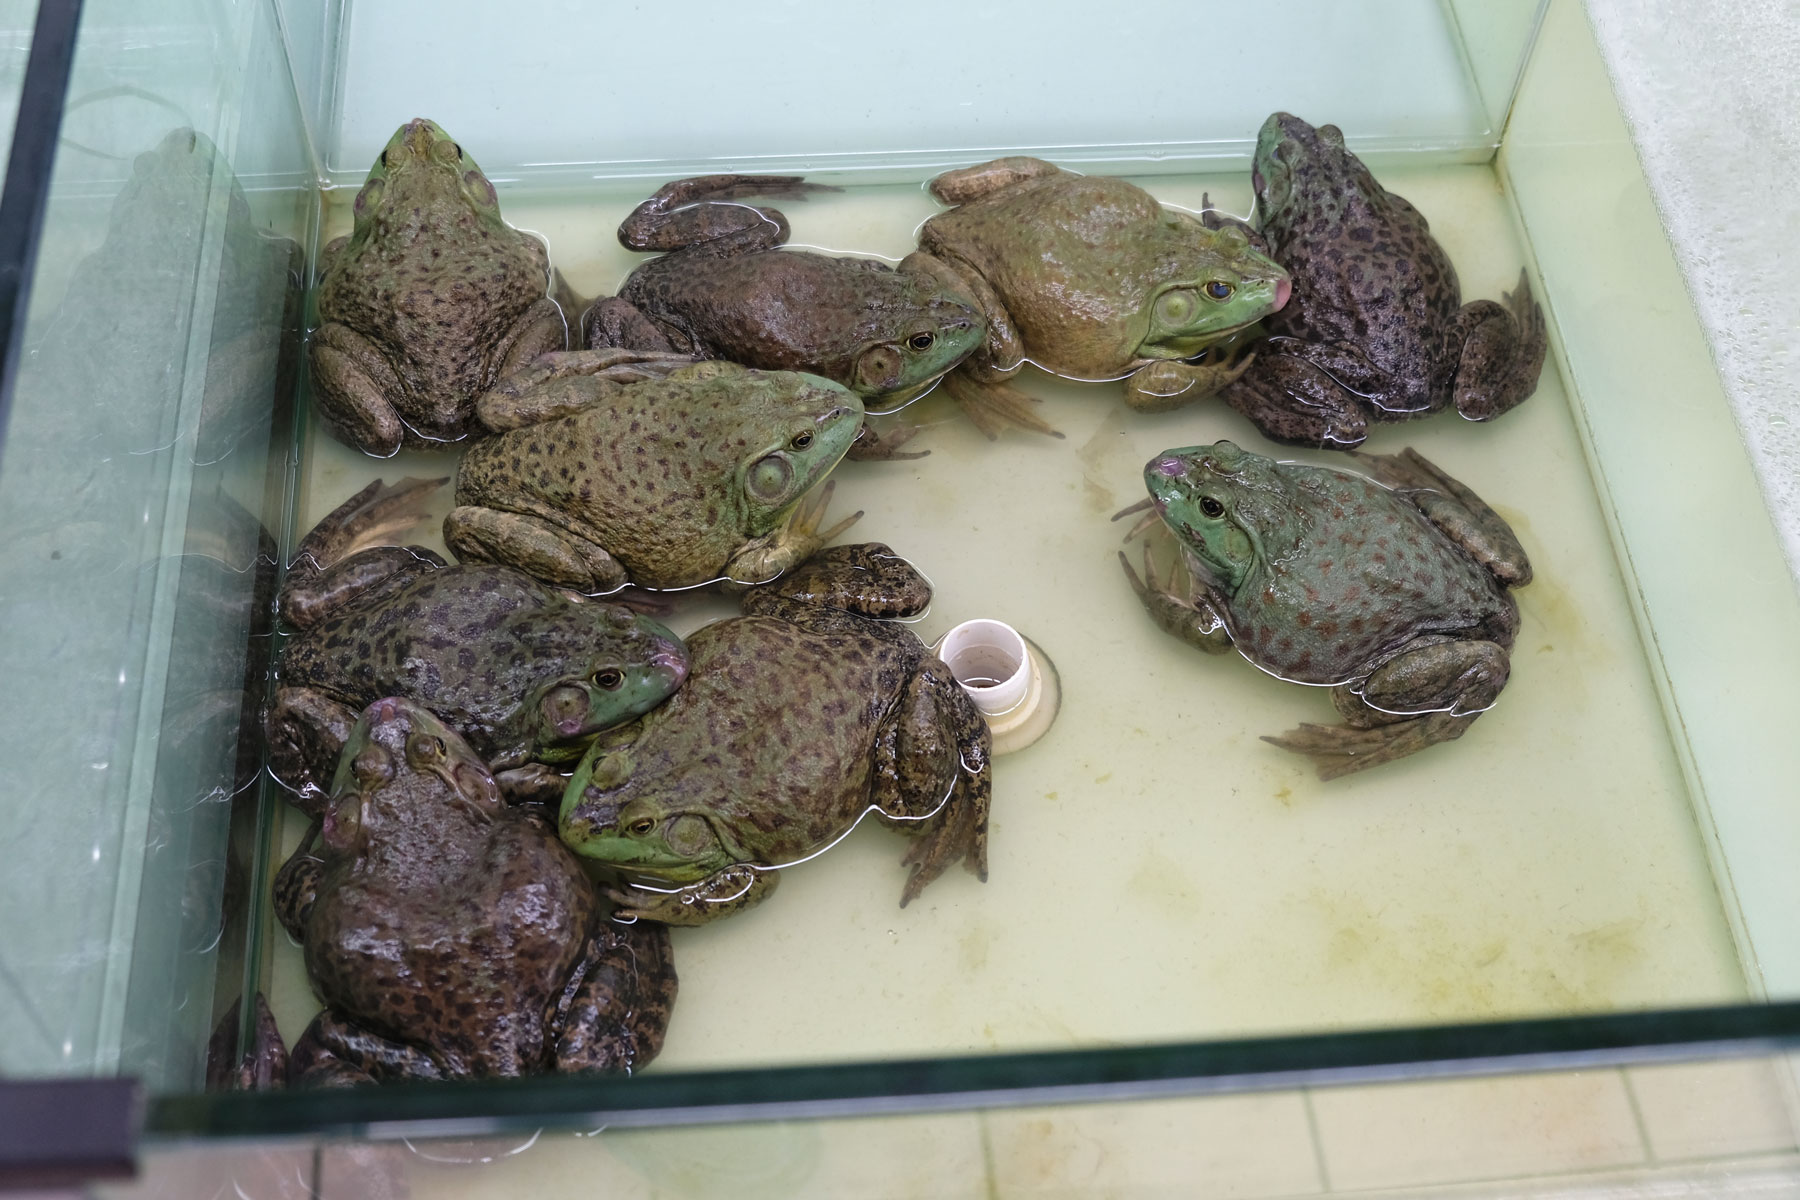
(619, 468)
(1088, 277)
(451, 936)
(1391, 589)
(429, 301)
(527, 673)
(1376, 329)
(798, 720)
(726, 290)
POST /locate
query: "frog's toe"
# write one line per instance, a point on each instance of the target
(994, 407)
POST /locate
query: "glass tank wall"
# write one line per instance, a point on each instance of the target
(1599, 843)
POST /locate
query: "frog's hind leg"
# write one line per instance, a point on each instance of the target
(1427, 694)
(932, 778)
(983, 179)
(1502, 352)
(1458, 513)
(615, 1010)
(334, 1053)
(1290, 400)
(702, 213)
(616, 321)
(344, 556)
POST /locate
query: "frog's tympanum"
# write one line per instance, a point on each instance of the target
(527, 673)
(617, 467)
(1088, 277)
(1376, 329)
(1391, 589)
(727, 291)
(429, 301)
(450, 936)
(797, 720)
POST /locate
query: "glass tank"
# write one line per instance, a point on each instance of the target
(1597, 872)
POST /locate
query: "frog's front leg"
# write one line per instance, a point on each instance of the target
(614, 1012)
(334, 1053)
(1430, 692)
(703, 214)
(352, 385)
(1290, 400)
(1172, 383)
(1179, 604)
(720, 894)
(1502, 352)
(1459, 513)
(539, 548)
(564, 382)
(307, 730)
(931, 777)
(797, 539)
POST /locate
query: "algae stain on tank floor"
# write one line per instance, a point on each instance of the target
(1157, 872)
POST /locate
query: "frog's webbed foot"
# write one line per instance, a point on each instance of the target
(703, 213)
(351, 382)
(1172, 383)
(1290, 400)
(984, 179)
(796, 541)
(562, 383)
(334, 1053)
(616, 321)
(1180, 605)
(871, 445)
(720, 894)
(535, 546)
(1428, 694)
(996, 406)
(613, 1013)
(306, 731)
(864, 577)
(1459, 513)
(345, 555)
(1502, 352)
(261, 1065)
(932, 778)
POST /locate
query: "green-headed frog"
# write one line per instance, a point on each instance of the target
(429, 301)
(527, 673)
(614, 467)
(726, 290)
(451, 936)
(797, 721)
(1376, 329)
(1391, 589)
(1091, 278)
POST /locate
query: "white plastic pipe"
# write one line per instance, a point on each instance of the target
(989, 659)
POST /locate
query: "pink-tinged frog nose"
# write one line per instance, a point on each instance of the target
(1282, 290)
(1171, 465)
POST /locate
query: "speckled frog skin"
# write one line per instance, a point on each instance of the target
(1376, 329)
(1389, 586)
(726, 291)
(428, 302)
(527, 673)
(798, 720)
(619, 468)
(451, 936)
(1089, 277)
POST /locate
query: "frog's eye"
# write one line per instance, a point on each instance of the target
(608, 678)
(802, 440)
(769, 477)
(1211, 507)
(920, 341)
(1218, 289)
(641, 827)
(1175, 308)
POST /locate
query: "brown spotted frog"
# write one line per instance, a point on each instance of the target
(451, 936)
(798, 720)
(429, 301)
(1388, 583)
(1376, 329)
(526, 672)
(1089, 277)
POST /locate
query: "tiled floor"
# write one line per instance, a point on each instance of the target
(1706, 1129)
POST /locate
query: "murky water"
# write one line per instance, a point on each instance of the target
(1157, 871)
